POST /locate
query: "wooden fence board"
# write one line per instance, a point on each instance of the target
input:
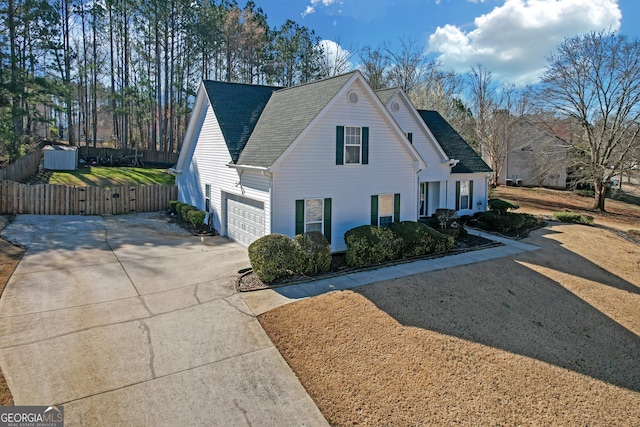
(50, 199)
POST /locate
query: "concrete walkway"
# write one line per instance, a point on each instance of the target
(264, 300)
(126, 321)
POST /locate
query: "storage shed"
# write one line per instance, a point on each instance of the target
(60, 157)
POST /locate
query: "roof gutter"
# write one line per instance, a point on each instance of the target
(247, 167)
(453, 162)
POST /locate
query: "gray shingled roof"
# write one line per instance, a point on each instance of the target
(453, 145)
(238, 108)
(286, 115)
(386, 94)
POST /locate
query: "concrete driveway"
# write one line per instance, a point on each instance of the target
(128, 321)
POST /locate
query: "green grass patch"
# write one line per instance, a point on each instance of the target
(112, 176)
(574, 218)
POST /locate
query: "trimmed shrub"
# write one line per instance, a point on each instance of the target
(275, 256)
(184, 211)
(179, 206)
(369, 245)
(196, 217)
(501, 207)
(315, 252)
(574, 217)
(172, 206)
(419, 239)
(508, 223)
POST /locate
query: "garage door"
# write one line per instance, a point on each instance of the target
(245, 221)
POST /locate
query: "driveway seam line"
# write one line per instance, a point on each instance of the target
(170, 374)
(120, 262)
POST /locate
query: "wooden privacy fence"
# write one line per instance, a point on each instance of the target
(23, 168)
(50, 199)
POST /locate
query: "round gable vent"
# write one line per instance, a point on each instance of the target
(352, 96)
(395, 107)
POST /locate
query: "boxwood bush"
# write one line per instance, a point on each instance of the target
(178, 208)
(508, 223)
(196, 217)
(184, 211)
(315, 252)
(172, 206)
(419, 239)
(274, 257)
(369, 245)
(501, 207)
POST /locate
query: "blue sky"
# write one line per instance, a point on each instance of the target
(511, 38)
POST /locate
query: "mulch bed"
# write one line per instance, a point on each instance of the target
(251, 282)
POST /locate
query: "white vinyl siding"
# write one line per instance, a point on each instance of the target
(207, 163)
(310, 169)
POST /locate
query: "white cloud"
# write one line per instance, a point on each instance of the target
(309, 10)
(335, 57)
(513, 40)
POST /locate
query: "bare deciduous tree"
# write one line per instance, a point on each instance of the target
(373, 64)
(406, 65)
(496, 110)
(334, 59)
(594, 79)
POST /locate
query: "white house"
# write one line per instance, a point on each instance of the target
(456, 178)
(325, 156)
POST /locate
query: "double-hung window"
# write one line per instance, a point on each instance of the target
(313, 215)
(464, 193)
(207, 197)
(385, 209)
(352, 144)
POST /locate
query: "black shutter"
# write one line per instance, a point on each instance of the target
(396, 207)
(374, 209)
(339, 145)
(327, 219)
(299, 216)
(365, 145)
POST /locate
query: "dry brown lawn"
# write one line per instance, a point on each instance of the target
(539, 201)
(548, 337)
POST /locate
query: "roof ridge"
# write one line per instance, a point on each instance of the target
(284, 89)
(241, 84)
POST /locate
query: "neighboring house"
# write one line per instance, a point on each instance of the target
(535, 156)
(325, 156)
(456, 177)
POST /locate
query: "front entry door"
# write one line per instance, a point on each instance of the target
(424, 200)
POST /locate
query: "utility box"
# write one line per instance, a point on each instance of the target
(60, 158)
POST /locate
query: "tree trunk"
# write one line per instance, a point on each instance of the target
(600, 190)
(67, 69)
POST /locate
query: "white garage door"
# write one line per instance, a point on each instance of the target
(245, 222)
